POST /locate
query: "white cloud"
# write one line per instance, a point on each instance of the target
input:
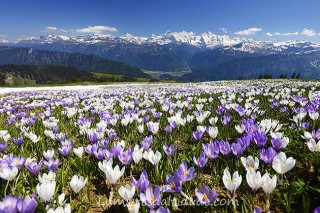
(249, 31)
(96, 29)
(269, 34)
(51, 28)
(224, 30)
(308, 32)
(289, 34)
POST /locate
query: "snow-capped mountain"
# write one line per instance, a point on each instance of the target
(205, 40)
(170, 51)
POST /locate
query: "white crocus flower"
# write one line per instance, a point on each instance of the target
(48, 154)
(254, 179)
(78, 151)
(133, 207)
(250, 162)
(153, 157)
(269, 184)
(47, 178)
(8, 173)
(46, 190)
(114, 174)
(77, 183)
(127, 192)
(282, 164)
(231, 183)
(313, 146)
(137, 154)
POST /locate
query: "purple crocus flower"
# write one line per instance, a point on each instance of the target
(65, 150)
(161, 210)
(152, 198)
(52, 164)
(245, 141)
(99, 153)
(93, 138)
(206, 196)
(260, 138)
(3, 146)
(9, 204)
(125, 156)
(185, 173)
(34, 167)
(10, 121)
(197, 135)
(276, 144)
(146, 142)
(268, 155)
(237, 149)
(17, 162)
(168, 129)
(55, 129)
(201, 161)
(18, 141)
(169, 150)
(112, 135)
(143, 183)
(174, 183)
(211, 150)
(28, 205)
(256, 210)
(226, 119)
(225, 148)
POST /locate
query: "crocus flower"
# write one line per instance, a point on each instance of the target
(210, 150)
(143, 183)
(254, 179)
(52, 164)
(197, 135)
(231, 183)
(146, 142)
(212, 131)
(153, 127)
(152, 198)
(205, 195)
(114, 174)
(169, 150)
(237, 149)
(281, 164)
(28, 205)
(47, 177)
(267, 155)
(313, 145)
(185, 173)
(260, 138)
(133, 207)
(250, 162)
(77, 183)
(225, 148)
(153, 157)
(48, 154)
(3, 146)
(174, 183)
(65, 150)
(17, 162)
(34, 167)
(269, 184)
(9, 204)
(127, 192)
(137, 154)
(18, 141)
(200, 161)
(78, 151)
(46, 190)
(8, 173)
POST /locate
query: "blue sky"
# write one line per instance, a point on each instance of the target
(259, 19)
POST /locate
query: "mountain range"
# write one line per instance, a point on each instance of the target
(208, 56)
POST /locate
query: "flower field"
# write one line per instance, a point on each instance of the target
(233, 146)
